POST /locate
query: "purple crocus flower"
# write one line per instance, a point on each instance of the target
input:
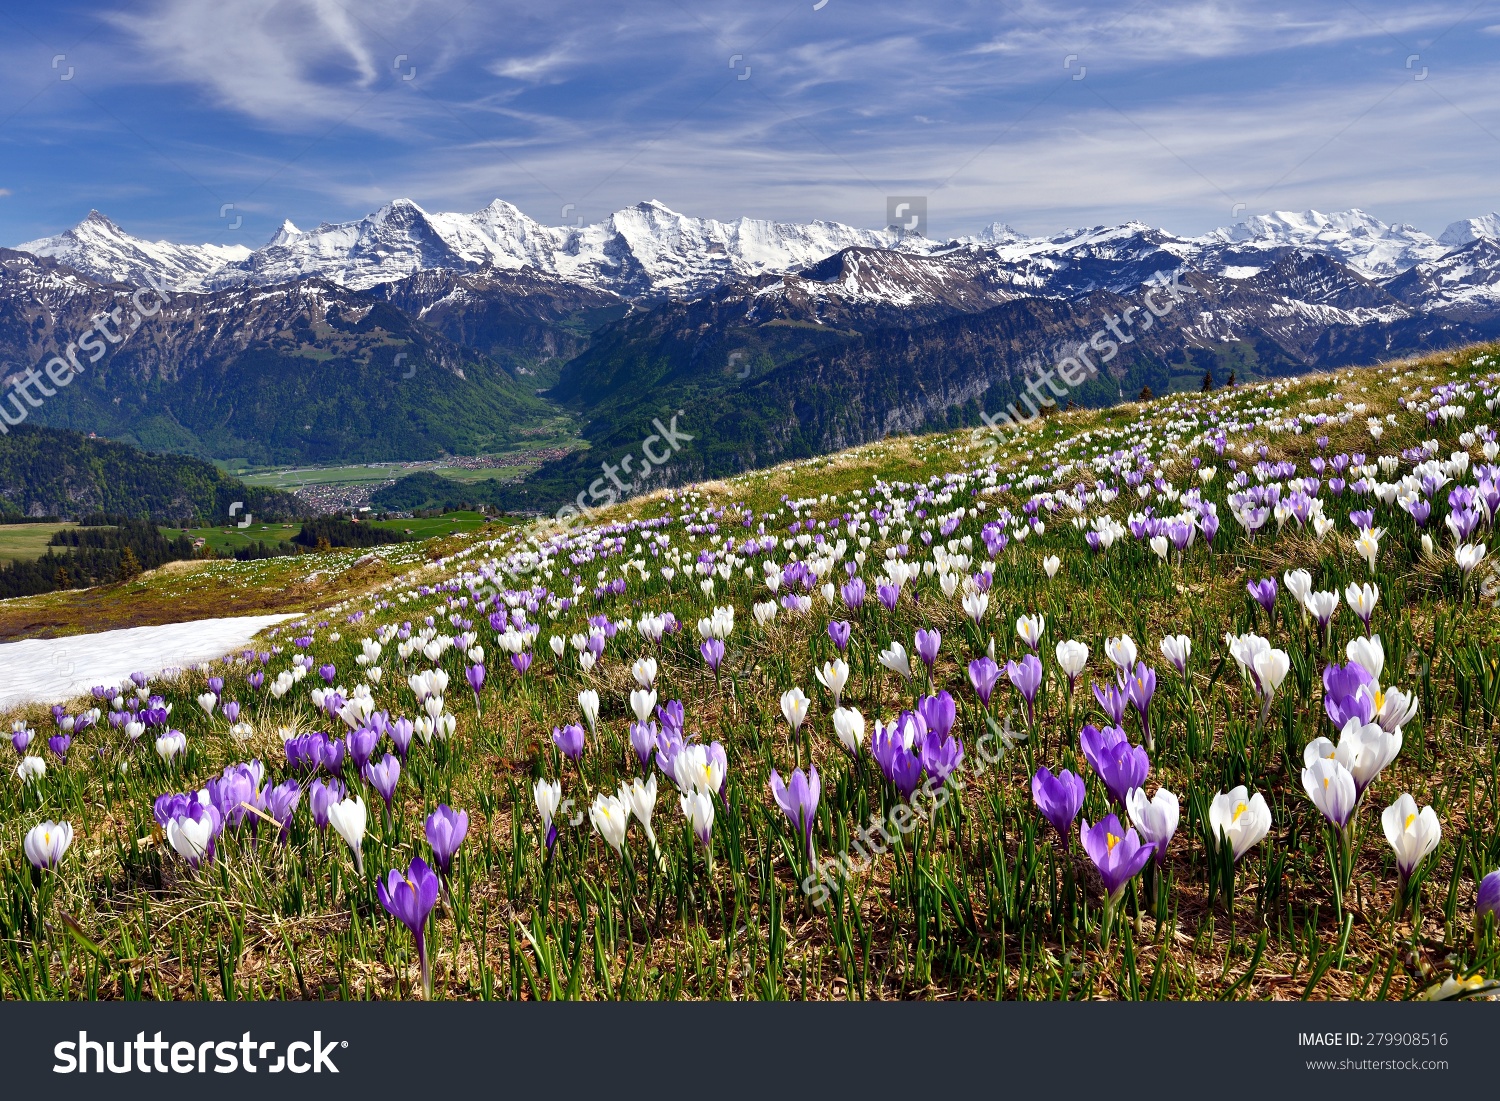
(1026, 675)
(853, 593)
(59, 744)
(838, 630)
(643, 741)
(799, 801)
(983, 672)
(216, 685)
(401, 732)
(1119, 764)
(1263, 593)
(898, 764)
(327, 672)
(1059, 798)
(1139, 689)
(1112, 699)
(1348, 692)
(382, 776)
(671, 716)
(281, 804)
(255, 680)
(362, 744)
(321, 796)
(232, 711)
(1487, 901)
(474, 674)
(1117, 852)
(927, 645)
(938, 712)
(889, 595)
(712, 650)
(232, 791)
(333, 754)
(446, 829)
(171, 805)
(569, 739)
(409, 899)
(21, 739)
(521, 662)
(941, 755)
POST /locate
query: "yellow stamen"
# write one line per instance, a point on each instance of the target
(1410, 818)
(1110, 841)
(1239, 810)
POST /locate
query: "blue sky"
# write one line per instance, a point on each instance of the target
(162, 112)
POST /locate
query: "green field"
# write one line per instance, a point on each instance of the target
(329, 475)
(229, 540)
(24, 542)
(448, 524)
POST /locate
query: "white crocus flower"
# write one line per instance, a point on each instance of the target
(45, 844)
(1411, 833)
(849, 725)
(1367, 545)
(1072, 656)
(31, 770)
(611, 817)
(1369, 653)
(588, 703)
(643, 703)
(894, 658)
(1362, 598)
(190, 837)
(1122, 652)
(644, 672)
(1051, 564)
(1468, 557)
(1155, 819)
(1330, 785)
(170, 744)
(1030, 629)
(1366, 748)
(547, 795)
(641, 799)
(975, 604)
(794, 707)
(1241, 818)
(208, 701)
(1177, 649)
(834, 676)
(348, 818)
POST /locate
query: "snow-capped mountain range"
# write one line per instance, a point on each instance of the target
(648, 251)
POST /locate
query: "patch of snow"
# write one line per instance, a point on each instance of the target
(54, 670)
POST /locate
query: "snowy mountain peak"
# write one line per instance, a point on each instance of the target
(1356, 238)
(102, 250)
(649, 250)
(1472, 229)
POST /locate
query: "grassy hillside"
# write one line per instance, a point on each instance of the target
(929, 872)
